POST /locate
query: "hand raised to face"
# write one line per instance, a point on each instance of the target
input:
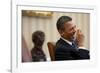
(80, 38)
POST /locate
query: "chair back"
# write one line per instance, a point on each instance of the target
(51, 47)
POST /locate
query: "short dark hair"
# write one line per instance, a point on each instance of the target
(38, 38)
(61, 21)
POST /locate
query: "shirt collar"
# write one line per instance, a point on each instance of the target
(66, 41)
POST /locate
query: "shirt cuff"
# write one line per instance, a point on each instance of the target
(82, 47)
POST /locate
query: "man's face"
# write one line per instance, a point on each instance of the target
(69, 31)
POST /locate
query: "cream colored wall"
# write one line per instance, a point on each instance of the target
(48, 26)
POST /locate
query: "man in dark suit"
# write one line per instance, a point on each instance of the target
(71, 44)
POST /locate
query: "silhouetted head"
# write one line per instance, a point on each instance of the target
(66, 28)
(38, 38)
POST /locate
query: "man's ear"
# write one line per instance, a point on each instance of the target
(61, 32)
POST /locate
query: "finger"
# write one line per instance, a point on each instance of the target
(80, 32)
(77, 31)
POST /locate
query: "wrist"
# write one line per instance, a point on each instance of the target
(80, 45)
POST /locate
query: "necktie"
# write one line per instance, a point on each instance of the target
(74, 45)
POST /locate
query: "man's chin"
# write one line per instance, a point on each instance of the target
(73, 38)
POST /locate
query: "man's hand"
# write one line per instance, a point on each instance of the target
(80, 38)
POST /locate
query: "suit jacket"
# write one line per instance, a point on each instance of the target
(65, 51)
